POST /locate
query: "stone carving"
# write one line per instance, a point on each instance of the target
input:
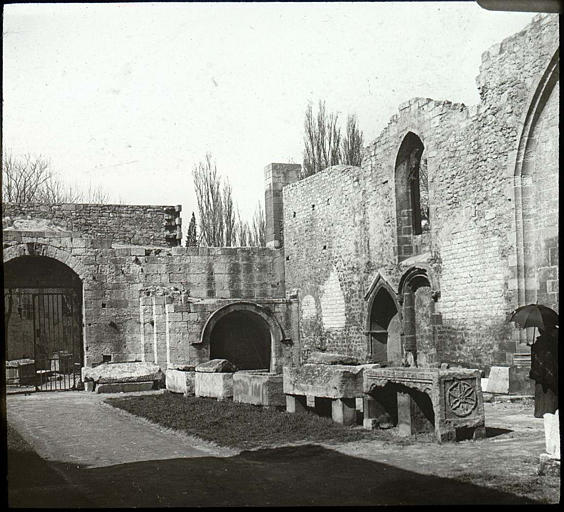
(461, 398)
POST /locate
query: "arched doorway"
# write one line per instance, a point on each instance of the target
(243, 338)
(384, 329)
(43, 322)
(418, 297)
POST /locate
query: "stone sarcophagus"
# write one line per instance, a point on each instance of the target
(258, 387)
(311, 384)
(448, 401)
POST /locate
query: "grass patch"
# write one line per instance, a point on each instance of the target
(239, 425)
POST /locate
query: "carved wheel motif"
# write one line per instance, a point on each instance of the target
(461, 398)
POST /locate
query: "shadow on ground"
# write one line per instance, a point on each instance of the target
(305, 475)
(495, 431)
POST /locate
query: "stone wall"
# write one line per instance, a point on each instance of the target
(128, 224)
(125, 289)
(470, 253)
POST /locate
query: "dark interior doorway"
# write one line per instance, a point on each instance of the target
(43, 323)
(384, 331)
(243, 338)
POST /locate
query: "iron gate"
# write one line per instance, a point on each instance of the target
(57, 340)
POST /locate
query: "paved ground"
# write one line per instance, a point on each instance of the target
(91, 454)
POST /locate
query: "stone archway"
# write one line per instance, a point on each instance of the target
(43, 319)
(383, 323)
(419, 291)
(245, 333)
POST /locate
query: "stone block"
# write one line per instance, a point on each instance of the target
(124, 387)
(258, 388)
(331, 358)
(108, 373)
(216, 366)
(214, 385)
(295, 404)
(343, 411)
(552, 434)
(325, 381)
(509, 379)
(179, 381)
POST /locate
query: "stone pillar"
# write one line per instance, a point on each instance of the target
(276, 177)
(295, 403)
(375, 413)
(411, 419)
(409, 338)
(343, 410)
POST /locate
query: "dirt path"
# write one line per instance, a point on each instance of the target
(515, 437)
(94, 455)
(77, 427)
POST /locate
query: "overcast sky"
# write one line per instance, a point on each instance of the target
(132, 96)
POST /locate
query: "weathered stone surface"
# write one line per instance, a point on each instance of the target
(214, 385)
(325, 381)
(123, 372)
(509, 379)
(181, 381)
(552, 434)
(498, 380)
(330, 358)
(124, 387)
(216, 366)
(343, 411)
(345, 225)
(456, 402)
(258, 388)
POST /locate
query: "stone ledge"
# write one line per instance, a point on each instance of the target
(124, 387)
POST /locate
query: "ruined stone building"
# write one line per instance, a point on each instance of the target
(419, 255)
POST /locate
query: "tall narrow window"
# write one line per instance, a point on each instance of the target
(412, 197)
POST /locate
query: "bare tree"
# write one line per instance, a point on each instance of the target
(30, 179)
(258, 230)
(323, 144)
(228, 215)
(208, 187)
(322, 139)
(351, 147)
(23, 180)
(243, 231)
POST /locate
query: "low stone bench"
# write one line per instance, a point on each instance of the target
(181, 380)
(448, 402)
(310, 384)
(258, 387)
(122, 377)
(214, 379)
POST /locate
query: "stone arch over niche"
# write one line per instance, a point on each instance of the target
(246, 332)
(383, 323)
(412, 198)
(37, 249)
(418, 291)
(536, 175)
(43, 315)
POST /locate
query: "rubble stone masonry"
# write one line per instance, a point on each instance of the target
(341, 225)
(130, 224)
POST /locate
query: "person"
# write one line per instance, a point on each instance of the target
(544, 371)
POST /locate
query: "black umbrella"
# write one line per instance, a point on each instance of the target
(534, 315)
